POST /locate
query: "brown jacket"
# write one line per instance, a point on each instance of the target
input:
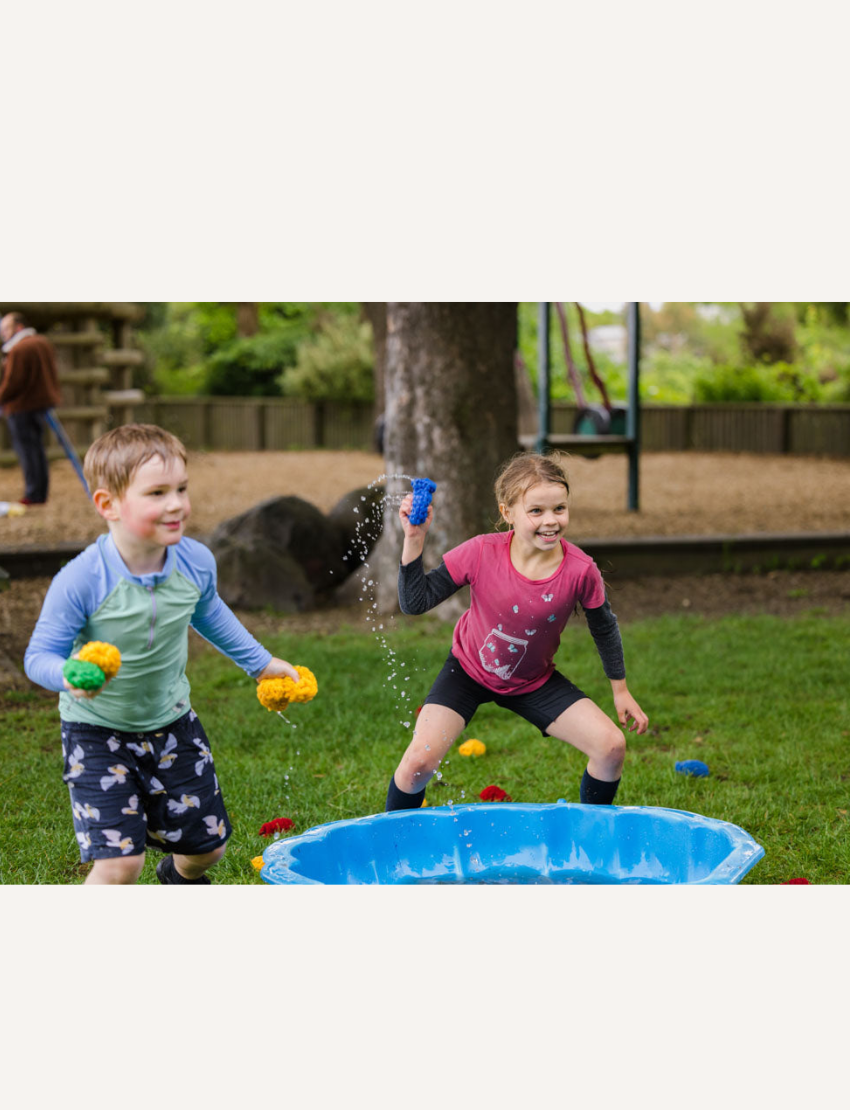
(30, 381)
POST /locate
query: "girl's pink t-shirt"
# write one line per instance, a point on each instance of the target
(507, 638)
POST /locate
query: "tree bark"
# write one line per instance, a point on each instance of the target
(451, 416)
(247, 318)
(376, 313)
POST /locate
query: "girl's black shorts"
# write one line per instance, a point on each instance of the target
(454, 689)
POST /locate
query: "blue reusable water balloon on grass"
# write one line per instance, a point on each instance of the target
(423, 491)
(693, 767)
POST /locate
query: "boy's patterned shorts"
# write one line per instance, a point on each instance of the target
(131, 789)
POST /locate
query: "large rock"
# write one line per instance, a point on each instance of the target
(360, 517)
(285, 554)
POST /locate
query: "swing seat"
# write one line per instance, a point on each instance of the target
(596, 420)
(581, 445)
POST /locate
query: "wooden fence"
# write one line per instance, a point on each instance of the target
(258, 424)
(758, 428)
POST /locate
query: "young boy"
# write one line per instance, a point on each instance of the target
(137, 761)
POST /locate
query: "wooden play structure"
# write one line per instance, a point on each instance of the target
(95, 355)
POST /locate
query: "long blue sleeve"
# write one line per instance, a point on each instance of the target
(222, 628)
(77, 591)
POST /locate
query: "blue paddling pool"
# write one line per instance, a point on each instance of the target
(512, 843)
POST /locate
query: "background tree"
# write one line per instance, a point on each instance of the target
(376, 313)
(451, 415)
(768, 336)
(247, 318)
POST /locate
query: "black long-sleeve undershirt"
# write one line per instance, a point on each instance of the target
(419, 592)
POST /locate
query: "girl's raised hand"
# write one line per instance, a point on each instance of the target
(413, 531)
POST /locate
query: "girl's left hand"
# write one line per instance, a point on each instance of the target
(627, 707)
(277, 668)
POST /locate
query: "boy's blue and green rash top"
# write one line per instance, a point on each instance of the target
(95, 597)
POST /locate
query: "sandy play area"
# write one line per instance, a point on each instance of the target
(682, 493)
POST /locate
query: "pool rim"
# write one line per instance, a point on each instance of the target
(744, 851)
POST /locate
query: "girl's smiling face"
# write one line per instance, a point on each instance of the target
(540, 517)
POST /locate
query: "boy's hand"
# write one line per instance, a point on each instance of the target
(76, 692)
(277, 668)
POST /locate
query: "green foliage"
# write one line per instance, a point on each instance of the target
(668, 379)
(834, 312)
(337, 364)
(768, 332)
(825, 352)
(193, 348)
(691, 351)
(697, 328)
(779, 383)
(250, 367)
(171, 338)
(612, 373)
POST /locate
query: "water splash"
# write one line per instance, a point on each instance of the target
(380, 625)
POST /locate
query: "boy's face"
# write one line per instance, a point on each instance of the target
(153, 510)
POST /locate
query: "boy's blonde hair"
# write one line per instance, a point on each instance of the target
(114, 457)
(525, 470)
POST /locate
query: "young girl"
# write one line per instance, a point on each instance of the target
(525, 584)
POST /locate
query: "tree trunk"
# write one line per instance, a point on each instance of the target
(451, 416)
(376, 313)
(247, 318)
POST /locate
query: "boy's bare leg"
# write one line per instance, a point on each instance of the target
(192, 867)
(123, 871)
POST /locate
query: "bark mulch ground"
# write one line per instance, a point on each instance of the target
(681, 494)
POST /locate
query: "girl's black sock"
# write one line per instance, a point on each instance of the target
(397, 799)
(595, 792)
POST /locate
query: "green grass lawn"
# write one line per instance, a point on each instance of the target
(759, 699)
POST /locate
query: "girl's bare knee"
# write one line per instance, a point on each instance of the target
(414, 771)
(615, 752)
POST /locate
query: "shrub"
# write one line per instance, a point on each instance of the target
(668, 379)
(780, 382)
(251, 367)
(338, 364)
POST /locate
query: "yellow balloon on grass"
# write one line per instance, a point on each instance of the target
(472, 747)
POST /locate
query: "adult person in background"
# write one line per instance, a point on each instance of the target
(29, 387)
